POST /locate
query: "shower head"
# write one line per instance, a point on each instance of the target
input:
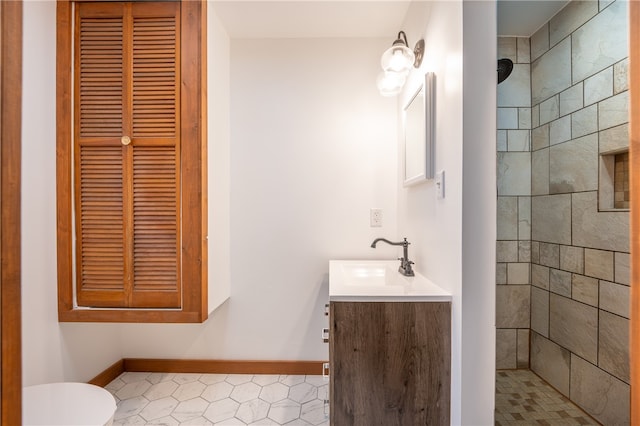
(505, 66)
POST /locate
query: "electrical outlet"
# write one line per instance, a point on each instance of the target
(440, 184)
(375, 218)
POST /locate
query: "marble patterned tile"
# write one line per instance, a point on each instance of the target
(560, 130)
(274, 392)
(238, 379)
(265, 379)
(599, 264)
(551, 73)
(621, 76)
(540, 276)
(291, 380)
(514, 173)
(516, 90)
(284, 411)
(613, 343)
(599, 86)
(573, 166)
(584, 289)
(540, 172)
(574, 326)
(303, 392)
(313, 412)
(540, 137)
(512, 306)
(622, 268)
(551, 362)
(584, 121)
(506, 348)
(540, 311)
(507, 48)
(221, 410)
(524, 218)
(518, 140)
(607, 31)
(571, 99)
(614, 138)
(570, 18)
(560, 282)
(600, 230)
(549, 109)
(507, 118)
(613, 111)
(161, 390)
(253, 410)
(133, 389)
(245, 392)
(130, 407)
(551, 219)
(518, 273)
(189, 391)
(189, 410)
(540, 42)
(572, 259)
(614, 298)
(209, 379)
(217, 391)
(156, 378)
(600, 394)
(159, 408)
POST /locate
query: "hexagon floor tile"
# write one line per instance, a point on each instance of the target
(217, 399)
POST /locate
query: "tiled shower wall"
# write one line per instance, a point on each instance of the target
(579, 249)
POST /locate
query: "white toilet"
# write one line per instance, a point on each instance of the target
(67, 404)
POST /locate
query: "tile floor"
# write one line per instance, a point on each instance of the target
(523, 398)
(219, 399)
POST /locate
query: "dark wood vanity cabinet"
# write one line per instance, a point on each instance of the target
(390, 363)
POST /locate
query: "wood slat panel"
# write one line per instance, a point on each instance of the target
(155, 219)
(100, 76)
(101, 224)
(155, 73)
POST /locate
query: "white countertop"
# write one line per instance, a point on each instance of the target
(379, 281)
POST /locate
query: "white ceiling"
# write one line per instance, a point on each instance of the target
(357, 18)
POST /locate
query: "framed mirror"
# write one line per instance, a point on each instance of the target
(419, 123)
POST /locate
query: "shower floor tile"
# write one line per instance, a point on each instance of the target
(219, 399)
(523, 398)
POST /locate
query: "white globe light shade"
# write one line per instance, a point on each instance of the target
(390, 83)
(397, 58)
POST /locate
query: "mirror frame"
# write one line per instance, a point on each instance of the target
(425, 95)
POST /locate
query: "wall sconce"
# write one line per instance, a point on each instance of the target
(396, 63)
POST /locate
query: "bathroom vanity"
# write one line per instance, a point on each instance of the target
(389, 346)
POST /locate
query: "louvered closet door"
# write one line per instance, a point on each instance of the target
(127, 155)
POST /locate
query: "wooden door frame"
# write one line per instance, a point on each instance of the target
(10, 187)
(634, 154)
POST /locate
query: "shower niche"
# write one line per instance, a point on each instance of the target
(613, 188)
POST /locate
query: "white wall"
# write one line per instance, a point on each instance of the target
(50, 351)
(453, 239)
(312, 150)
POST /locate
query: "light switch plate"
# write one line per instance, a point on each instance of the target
(440, 184)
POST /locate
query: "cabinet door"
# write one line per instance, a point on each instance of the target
(390, 363)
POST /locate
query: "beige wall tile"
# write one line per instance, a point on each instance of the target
(584, 121)
(524, 118)
(602, 230)
(600, 394)
(574, 325)
(549, 109)
(506, 251)
(513, 306)
(551, 362)
(599, 264)
(608, 31)
(516, 90)
(572, 259)
(507, 222)
(507, 48)
(614, 298)
(560, 130)
(614, 138)
(540, 172)
(535, 116)
(518, 273)
(518, 140)
(621, 76)
(507, 118)
(524, 218)
(523, 348)
(571, 99)
(551, 219)
(501, 140)
(506, 348)
(613, 111)
(524, 50)
(599, 86)
(540, 276)
(514, 173)
(551, 73)
(540, 42)
(584, 289)
(570, 18)
(540, 311)
(622, 268)
(573, 165)
(524, 251)
(560, 282)
(535, 252)
(613, 352)
(501, 273)
(550, 255)
(540, 137)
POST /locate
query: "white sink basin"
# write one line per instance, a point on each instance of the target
(369, 280)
